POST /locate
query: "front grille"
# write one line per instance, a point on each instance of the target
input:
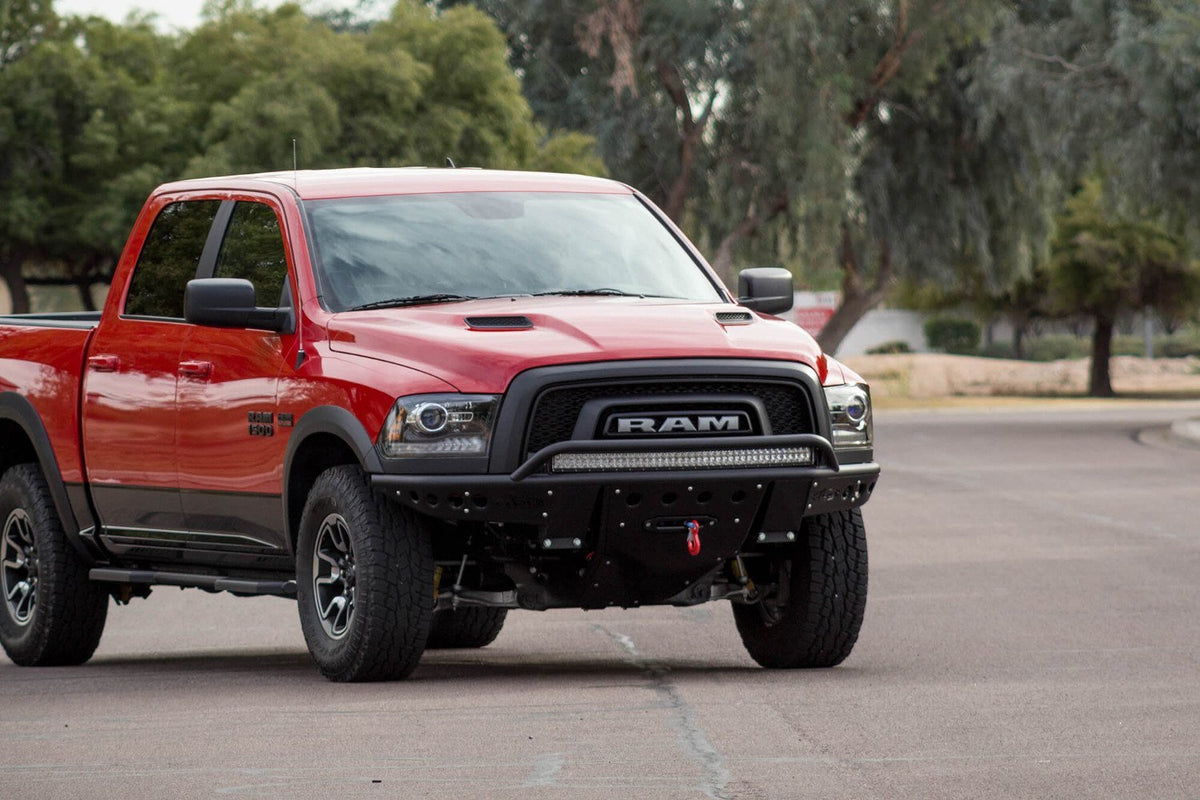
(557, 408)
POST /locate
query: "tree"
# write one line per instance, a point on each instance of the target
(411, 89)
(830, 132)
(22, 24)
(93, 115)
(84, 126)
(1104, 264)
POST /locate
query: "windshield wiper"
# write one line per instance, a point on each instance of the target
(414, 300)
(589, 293)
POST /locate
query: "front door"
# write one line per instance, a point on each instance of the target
(231, 443)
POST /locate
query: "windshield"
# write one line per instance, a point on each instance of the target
(408, 249)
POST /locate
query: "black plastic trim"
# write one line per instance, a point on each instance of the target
(336, 421)
(79, 320)
(207, 265)
(18, 409)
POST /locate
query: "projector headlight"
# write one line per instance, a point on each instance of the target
(439, 425)
(850, 415)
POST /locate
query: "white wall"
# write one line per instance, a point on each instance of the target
(885, 325)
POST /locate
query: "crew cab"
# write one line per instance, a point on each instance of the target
(416, 399)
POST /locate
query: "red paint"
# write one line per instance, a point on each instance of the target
(165, 404)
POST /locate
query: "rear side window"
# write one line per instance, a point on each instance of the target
(253, 249)
(169, 259)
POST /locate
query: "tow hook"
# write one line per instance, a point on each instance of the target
(693, 537)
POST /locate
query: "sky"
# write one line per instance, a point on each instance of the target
(173, 14)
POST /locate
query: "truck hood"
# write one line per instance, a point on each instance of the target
(479, 346)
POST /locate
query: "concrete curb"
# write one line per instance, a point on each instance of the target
(1186, 432)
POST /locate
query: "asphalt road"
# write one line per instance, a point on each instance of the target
(1033, 631)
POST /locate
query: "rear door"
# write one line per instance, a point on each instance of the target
(129, 421)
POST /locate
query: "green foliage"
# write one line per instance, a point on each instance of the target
(22, 24)
(1103, 265)
(953, 335)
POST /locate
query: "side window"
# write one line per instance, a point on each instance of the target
(169, 258)
(253, 249)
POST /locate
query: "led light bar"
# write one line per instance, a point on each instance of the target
(745, 458)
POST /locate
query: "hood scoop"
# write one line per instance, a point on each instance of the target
(508, 322)
(734, 317)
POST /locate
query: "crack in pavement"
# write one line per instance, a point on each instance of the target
(692, 741)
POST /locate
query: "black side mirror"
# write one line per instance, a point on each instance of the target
(766, 289)
(230, 303)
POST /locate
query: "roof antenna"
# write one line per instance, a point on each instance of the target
(295, 166)
(450, 163)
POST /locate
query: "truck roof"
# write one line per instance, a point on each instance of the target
(371, 181)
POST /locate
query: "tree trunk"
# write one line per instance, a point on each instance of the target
(857, 297)
(1100, 383)
(85, 295)
(10, 273)
(1018, 341)
(723, 260)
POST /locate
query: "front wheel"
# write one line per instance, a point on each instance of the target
(813, 616)
(53, 615)
(364, 580)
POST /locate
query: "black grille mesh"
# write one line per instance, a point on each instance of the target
(557, 408)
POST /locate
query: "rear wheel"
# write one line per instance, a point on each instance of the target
(53, 615)
(364, 580)
(469, 626)
(813, 617)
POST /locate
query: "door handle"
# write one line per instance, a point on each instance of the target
(196, 369)
(104, 363)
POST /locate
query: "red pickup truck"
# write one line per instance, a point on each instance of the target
(415, 399)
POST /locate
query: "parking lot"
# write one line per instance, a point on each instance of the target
(1033, 631)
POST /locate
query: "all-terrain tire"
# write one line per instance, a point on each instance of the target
(826, 598)
(52, 614)
(375, 556)
(469, 626)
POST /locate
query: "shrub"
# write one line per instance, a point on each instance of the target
(890, 348)
(953, 335)
(1057, 348)
(997, 350)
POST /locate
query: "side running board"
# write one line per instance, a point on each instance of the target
(213, 583)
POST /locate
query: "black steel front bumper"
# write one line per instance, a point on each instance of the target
(766, 500)
(642, 537)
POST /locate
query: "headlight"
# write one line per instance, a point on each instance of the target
(850, 414)
(439, 425)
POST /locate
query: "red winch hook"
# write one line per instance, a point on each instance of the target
(693, 538)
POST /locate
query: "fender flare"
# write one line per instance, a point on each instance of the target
(335, 421)
(18, 409)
